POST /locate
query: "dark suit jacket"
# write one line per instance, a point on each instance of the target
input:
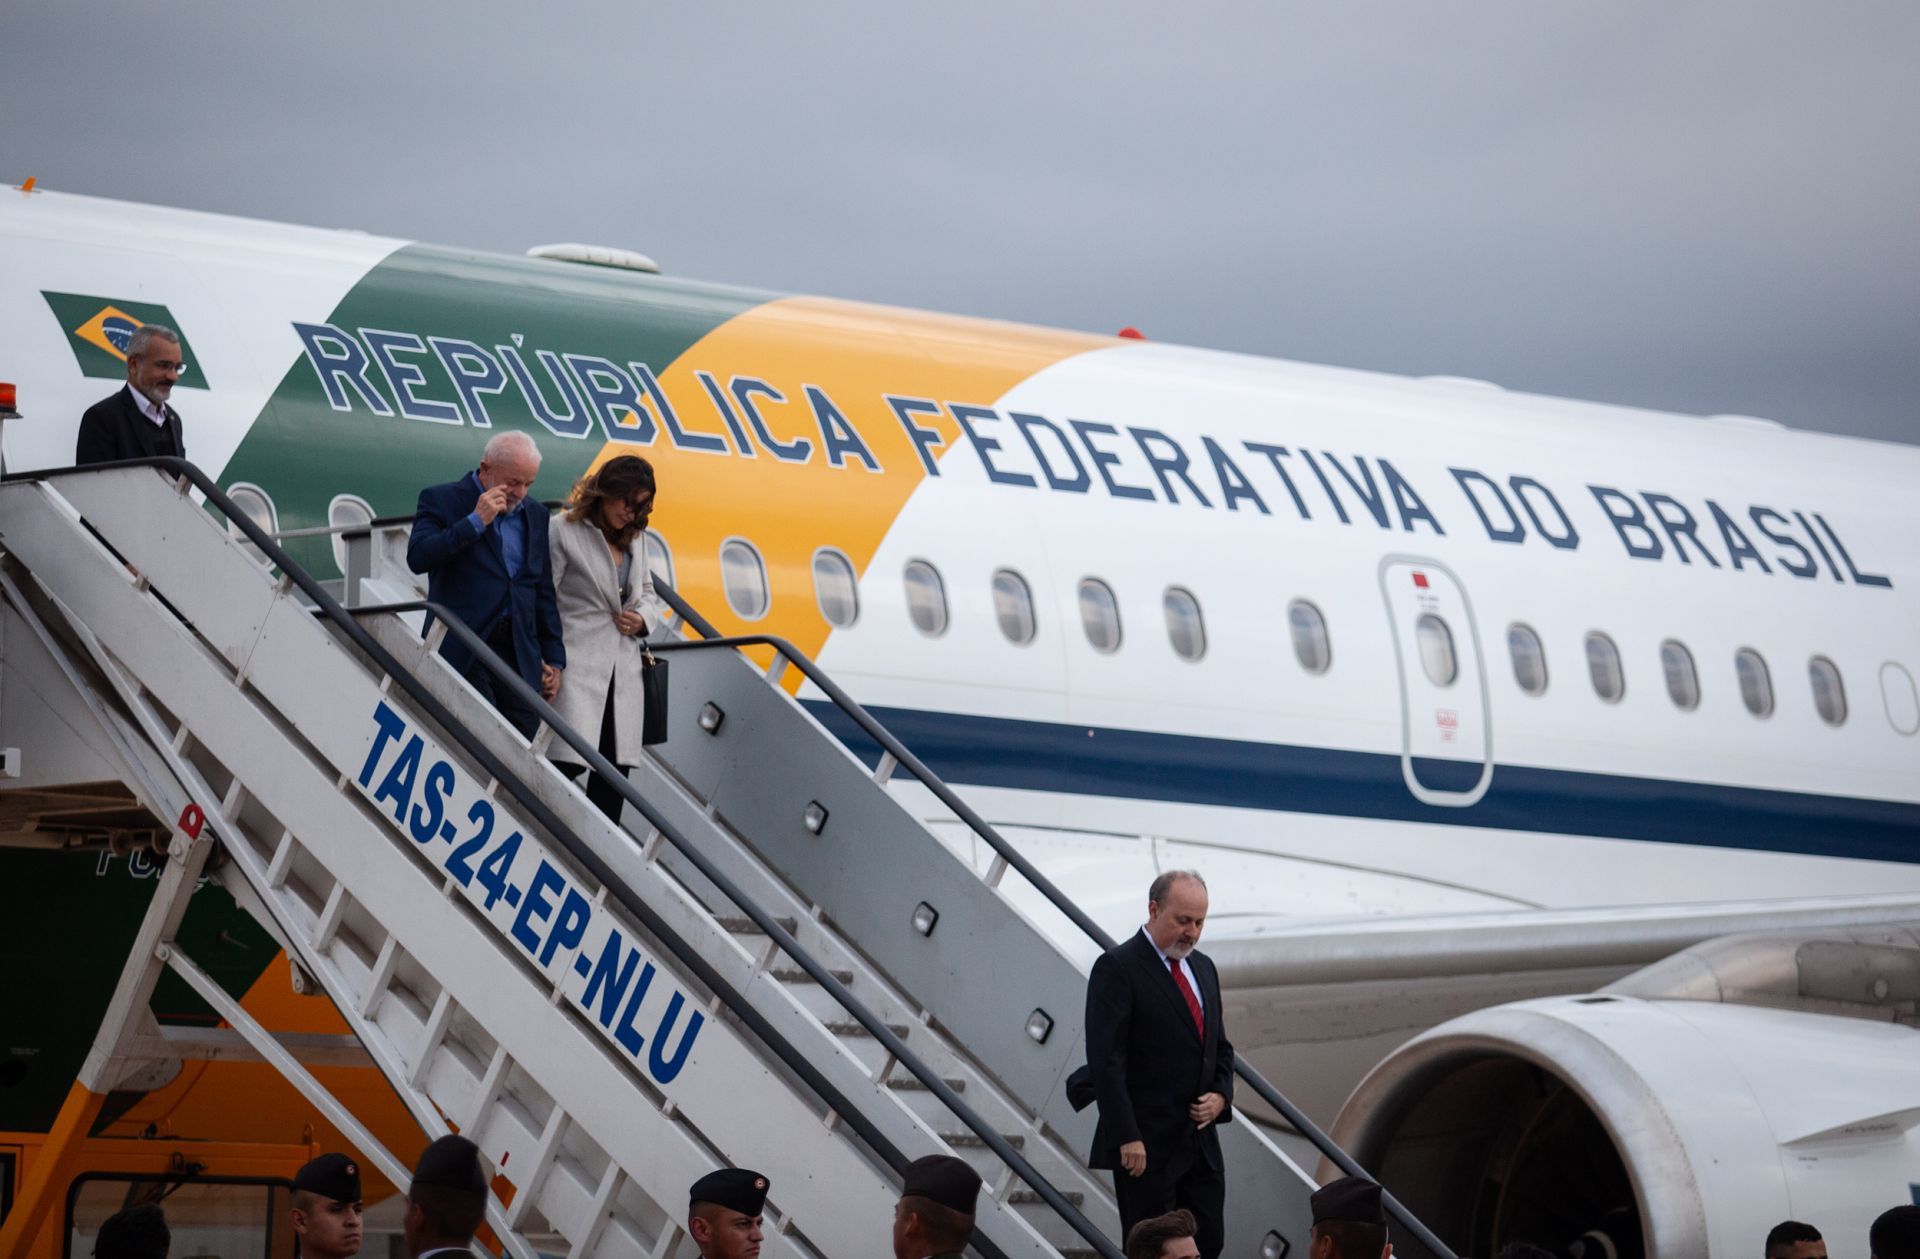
(1146, 1060)
(467, 574)
(113, 429)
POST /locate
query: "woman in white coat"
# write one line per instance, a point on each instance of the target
(607, 604)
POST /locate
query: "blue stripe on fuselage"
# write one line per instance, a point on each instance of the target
(1142, 765)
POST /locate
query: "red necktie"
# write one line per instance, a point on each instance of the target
(1186, 990)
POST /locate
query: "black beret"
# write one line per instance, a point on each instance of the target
(452, 1162)
(944, 1179)
(734, 1188)
(1348, 1198)
(334, 1176)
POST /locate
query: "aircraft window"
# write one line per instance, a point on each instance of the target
(1529, 658)
(1310, 645)
(253, 501)
(344, 512)
(835, 588)
(1013, 606)
(1683, 680)
(1185, 627)
(1100, 615)
(226, 1216)
(1756, 684)
(926, 598)
(1603, 666)
(1436, 649)
(1898, 694)
(659, 557)
(1829, 694)
(744, 578)
(257, 507)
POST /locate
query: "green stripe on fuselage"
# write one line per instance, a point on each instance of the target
(303, 451)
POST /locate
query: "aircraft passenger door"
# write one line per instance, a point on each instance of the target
(1446, 748)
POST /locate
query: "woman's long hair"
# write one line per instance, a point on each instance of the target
(618, 479)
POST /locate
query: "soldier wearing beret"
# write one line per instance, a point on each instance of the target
(447, 1200)
(934, 1217)
(1348, 1222)
(724, 1209)
(327, 1208)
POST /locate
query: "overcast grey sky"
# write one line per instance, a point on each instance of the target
(1702, 207)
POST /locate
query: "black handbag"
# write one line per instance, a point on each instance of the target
(653, 697)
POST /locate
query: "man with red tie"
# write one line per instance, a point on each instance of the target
(1161, 1065)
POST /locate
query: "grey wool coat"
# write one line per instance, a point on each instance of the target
(586, 583)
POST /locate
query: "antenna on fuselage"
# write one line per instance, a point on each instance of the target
(597, 256)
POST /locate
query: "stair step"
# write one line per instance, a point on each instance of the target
(1027, 1197)
(909, 1084)
(740, 924)
(794, 975)
(848, 1027)
(974, 1141)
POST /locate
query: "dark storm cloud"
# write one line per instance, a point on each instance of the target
(1703, 207)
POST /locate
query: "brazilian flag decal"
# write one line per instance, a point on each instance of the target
(98, 329)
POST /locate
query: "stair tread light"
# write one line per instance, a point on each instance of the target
(924, 918)
(1274, 1246)
(711, 715)
(815, 817)
(1039, 1026)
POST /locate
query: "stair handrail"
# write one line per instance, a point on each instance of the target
(330, 609)
(902, 755)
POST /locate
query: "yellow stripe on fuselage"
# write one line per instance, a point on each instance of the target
(856, 355)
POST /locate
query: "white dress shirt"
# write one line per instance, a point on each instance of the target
(1192, 981)
(157, 416)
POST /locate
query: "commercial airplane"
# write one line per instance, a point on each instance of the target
(1468, 704)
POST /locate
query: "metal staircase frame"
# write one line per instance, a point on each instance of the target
(896, 755)
(528, 798)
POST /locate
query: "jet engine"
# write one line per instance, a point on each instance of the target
(1679, 1113)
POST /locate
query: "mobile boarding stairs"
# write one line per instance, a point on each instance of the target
(774, 965)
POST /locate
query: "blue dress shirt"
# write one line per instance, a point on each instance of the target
(513, 530)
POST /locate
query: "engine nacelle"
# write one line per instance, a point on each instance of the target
(1680, 1129)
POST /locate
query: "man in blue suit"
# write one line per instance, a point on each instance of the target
(484, 551)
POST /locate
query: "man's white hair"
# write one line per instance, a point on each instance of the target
(508, 444)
